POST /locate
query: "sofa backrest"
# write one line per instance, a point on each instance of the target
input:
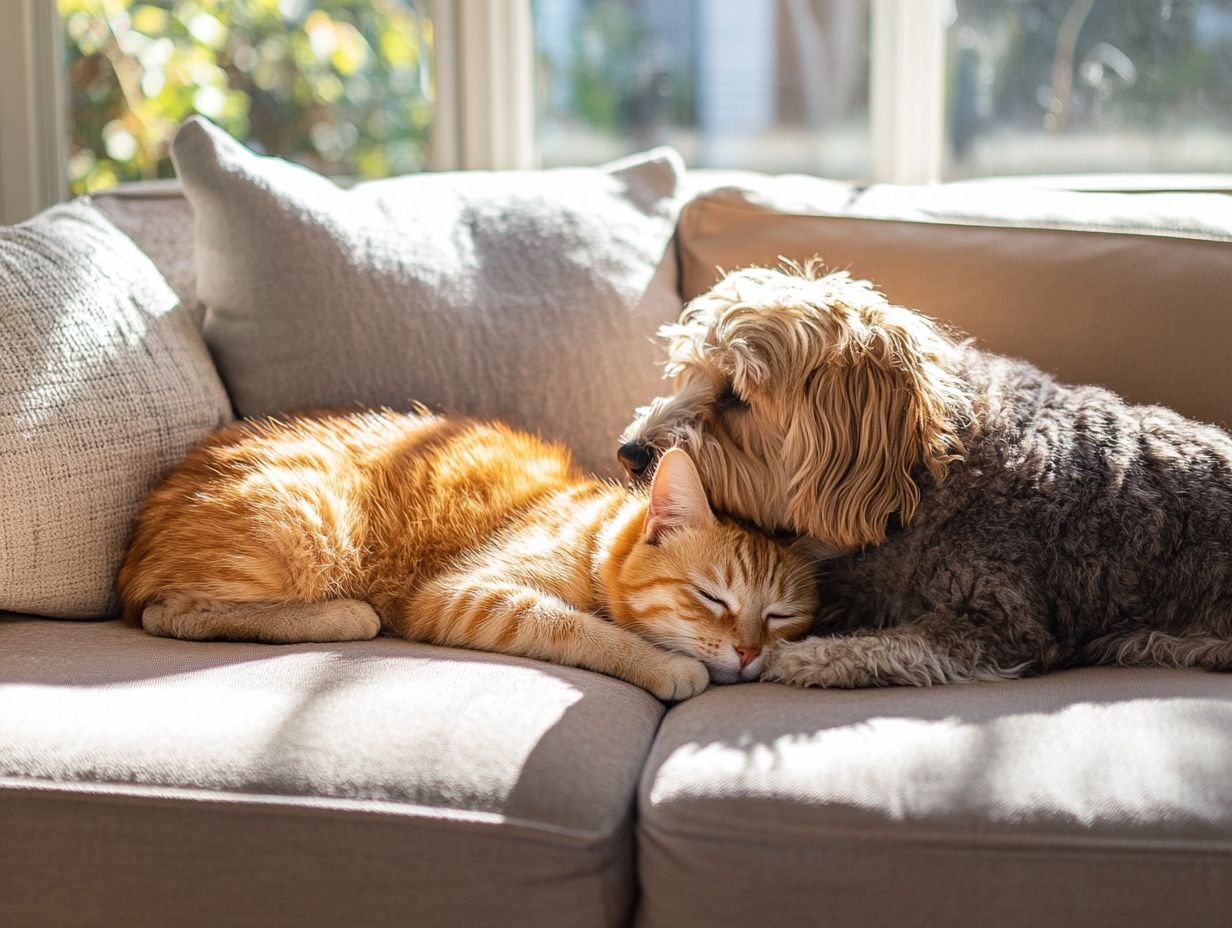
(1130, 291)
(156, 215)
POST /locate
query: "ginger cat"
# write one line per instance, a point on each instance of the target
(334, 526)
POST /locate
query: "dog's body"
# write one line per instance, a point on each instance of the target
(1077, 529)
(985, 521)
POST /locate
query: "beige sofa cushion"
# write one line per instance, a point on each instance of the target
(104, 384)
(152, 782)
(1097, 797)
(527, 296)
(1126, 290)
(155, 214)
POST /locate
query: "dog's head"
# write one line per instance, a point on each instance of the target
(807, 402)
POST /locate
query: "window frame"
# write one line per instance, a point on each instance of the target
(484, 55)
(907, 90)
(33, 112)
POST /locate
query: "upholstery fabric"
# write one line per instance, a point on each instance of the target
(1179, 215)
(530, 297)
(104, 384)
(776, 191)
(367, 783)
(1115, 183)
(156, 215)
(1096, 797)
(1129, 291)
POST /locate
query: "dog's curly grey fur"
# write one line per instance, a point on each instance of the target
(1075, 528)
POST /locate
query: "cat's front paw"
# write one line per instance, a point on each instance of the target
(356, 620)
(679, 678)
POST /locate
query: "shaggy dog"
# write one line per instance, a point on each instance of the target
(980, 520)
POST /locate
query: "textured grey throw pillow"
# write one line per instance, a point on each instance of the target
(530, 296)
(104, 384)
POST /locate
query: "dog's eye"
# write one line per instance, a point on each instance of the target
(730, 399)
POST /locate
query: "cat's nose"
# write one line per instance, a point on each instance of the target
(747, 655)
(634, 457)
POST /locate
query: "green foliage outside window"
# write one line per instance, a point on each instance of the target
(622, 82)
(344, 86)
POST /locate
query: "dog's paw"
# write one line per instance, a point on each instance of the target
(827, 662)
(678, 678)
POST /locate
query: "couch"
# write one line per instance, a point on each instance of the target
(148, 782)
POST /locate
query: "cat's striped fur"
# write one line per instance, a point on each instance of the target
(333, 526)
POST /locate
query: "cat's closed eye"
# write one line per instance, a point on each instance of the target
(780, 618)
(711, 598)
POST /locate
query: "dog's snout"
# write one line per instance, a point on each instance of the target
(634, 457)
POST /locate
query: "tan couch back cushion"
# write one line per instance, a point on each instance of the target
(1133, 292)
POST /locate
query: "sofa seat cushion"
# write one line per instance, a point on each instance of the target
(148, 781)
(1095, 797)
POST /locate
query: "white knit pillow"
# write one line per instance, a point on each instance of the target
(528, 296)
(104, 384)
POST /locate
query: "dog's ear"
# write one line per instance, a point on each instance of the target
(747, 327)
(875, 406)
(754, 346)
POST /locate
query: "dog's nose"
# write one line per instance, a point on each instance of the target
(634, 457)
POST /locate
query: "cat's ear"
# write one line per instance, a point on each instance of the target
(677, 498)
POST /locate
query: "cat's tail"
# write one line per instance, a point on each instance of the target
(132, 584)
(276, 623)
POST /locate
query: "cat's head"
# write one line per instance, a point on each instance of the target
(708, 587)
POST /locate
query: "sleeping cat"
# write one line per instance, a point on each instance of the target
(332, 527)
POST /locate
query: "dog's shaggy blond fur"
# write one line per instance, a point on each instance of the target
(979, 520)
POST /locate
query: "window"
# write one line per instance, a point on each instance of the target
(1074, 86)
(1014, 86)
(770, 85)
(344, 87)
(907, 91)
